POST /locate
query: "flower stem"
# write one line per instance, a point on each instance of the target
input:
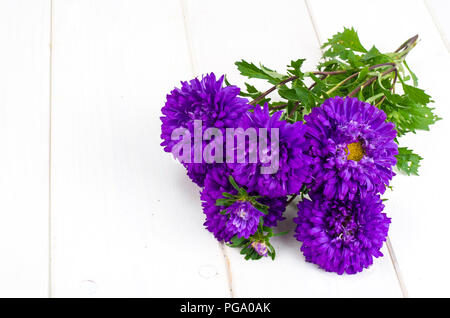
(294, 109)
(397, 56)
(290, 79)
(370, 81)
(356, 74)
(270, 90)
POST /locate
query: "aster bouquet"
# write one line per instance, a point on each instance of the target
(328, 136)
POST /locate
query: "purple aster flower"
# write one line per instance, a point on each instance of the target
(285, 153)
(353, 148)
(204, 100)
(341, 235)
(260, 248)
(243, 219)
(197, 172)
(224, 227)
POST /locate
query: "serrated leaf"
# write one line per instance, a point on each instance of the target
(251, 92)
(272, 73)
(408, 161)
(294, 68)
(406, 113)
(251, 89)
(252, 71)
(347, 39)
(417, 95)
(288, 93)
(372, 53)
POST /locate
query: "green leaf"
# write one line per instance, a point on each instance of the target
(362, 74)
(319, 84)
(271, 250)
(417, 95)
(252, 71)
(226, 82)
(413, 75)
(373, 53)
(271, 73)
(303, 95)
(260, 207)
(281, 233)
(408, 161)
(288, 93)
(347, 39)
(294, 68)
(224, 202)
(252, 92)
(228, 195)
(238, 241)
(272, 256)
(407, 111)
(233, 183)
(373, 98)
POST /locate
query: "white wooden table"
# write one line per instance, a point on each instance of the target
(90, 205)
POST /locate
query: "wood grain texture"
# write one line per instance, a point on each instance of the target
(24, 140)
(418, 205)
(126, 219)
(274, 39)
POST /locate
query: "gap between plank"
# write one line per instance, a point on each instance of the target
(396, 268)
(313, 22)
(388, 241)
(438, 26)
(187, 34)
(228, 268)
(194, 69)
(50, 293)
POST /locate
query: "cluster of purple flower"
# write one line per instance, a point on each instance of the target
(342, 155)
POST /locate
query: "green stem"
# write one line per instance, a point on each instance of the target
(355, 75)
(370, 81)
(290, 79)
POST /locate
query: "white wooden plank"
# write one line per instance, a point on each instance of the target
(418, 205)
(24, 140)
(126, 219)
(439, 10)
(274, 34)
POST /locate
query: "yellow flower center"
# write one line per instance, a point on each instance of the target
(355, 151)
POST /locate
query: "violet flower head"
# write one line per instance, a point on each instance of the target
(197, 172)
(341, 235)
(260, 248)
(200, 99)
(225, 226)
(353, 148)
(243, 219)
(285, 154)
